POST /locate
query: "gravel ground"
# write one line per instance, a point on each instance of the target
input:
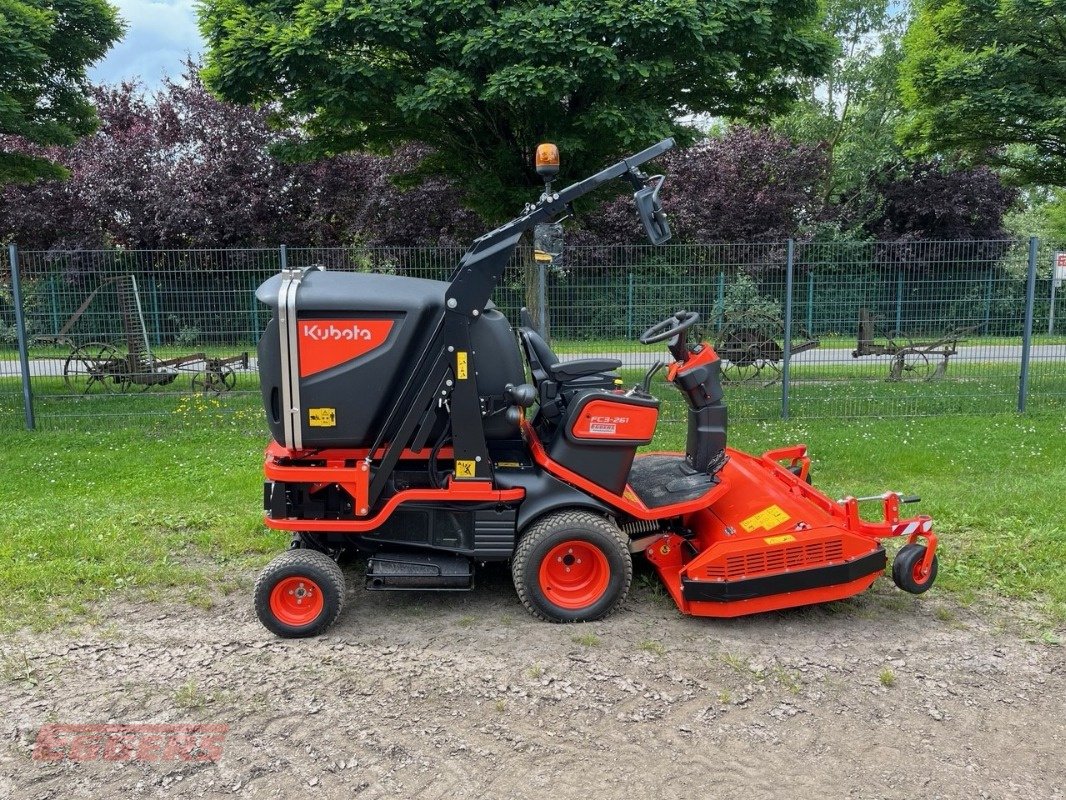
(464, 695)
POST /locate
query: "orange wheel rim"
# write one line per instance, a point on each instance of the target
(296, 600)
(916, 573)
(574, 574)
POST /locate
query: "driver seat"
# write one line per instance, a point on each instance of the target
(558, 380)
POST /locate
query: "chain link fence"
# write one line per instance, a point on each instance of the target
(841, 329)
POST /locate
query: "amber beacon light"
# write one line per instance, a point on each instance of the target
(547, 160)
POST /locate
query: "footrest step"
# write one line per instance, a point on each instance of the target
(406, 571)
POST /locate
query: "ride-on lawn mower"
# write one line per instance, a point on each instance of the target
(405, 429)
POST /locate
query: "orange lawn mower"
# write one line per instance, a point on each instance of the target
(412, 426)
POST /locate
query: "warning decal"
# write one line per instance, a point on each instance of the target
(770, 517)
(464, 469)
(322, 417)
(461, 369)
(781, 539)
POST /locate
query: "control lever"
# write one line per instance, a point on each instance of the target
(645, 385)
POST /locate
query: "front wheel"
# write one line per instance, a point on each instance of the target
(572, 566)
(907, 569)
(300, 593)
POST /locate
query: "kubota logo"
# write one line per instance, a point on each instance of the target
(345, 332)
(325, 343)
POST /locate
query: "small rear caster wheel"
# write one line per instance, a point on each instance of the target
(299, 593)
(572, 566)
(907, 569)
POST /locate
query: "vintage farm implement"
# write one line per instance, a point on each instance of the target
(130, 365)
(751, 346)
(913, 360)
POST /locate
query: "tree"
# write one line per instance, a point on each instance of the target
(930, 201)
(482, 82)
(854, 108)
(179, 168)
(45, 48)
(986, 78)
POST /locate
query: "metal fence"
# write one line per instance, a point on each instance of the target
(841, 329)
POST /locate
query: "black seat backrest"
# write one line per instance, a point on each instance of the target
(539, 354)
(541, 351)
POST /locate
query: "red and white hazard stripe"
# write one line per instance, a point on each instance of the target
(907, 528)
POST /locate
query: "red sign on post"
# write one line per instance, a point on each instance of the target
(1060, 268)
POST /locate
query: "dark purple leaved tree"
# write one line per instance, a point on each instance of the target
(181, 169)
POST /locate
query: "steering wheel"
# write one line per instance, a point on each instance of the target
(670, 327)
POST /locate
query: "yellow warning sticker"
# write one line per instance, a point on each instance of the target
(461, 370)
(784, 537)
(769, 517)
(464, 469)
(322, 417)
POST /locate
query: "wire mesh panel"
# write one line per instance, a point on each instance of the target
(119, 334)
(888, 329)
(908, 328)
(1047, 379)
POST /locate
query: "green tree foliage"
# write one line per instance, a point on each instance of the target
(987, 78)
(482, 81)
(853, 109)
(45, 48)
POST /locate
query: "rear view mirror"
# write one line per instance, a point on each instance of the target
(651, 211)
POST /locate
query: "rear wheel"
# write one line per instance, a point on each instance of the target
(572, 566)
(300, 593)
(907, 569)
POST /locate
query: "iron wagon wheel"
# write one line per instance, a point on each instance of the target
(916, 365)
(92, 367)
(214, 381)
(740, 351)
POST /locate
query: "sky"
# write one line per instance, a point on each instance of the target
(159, 34)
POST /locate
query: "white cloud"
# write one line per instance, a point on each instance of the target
(159, 35)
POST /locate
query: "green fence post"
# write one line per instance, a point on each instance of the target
(53, 292)
(1027, 331)
(20, 330)
(988, 300)
(810, 301)
(156, 318)
(721, 300)
(255, 315)
(629, 305)
(787, 357)
(899, 300)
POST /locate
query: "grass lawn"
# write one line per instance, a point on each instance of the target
(174, 505)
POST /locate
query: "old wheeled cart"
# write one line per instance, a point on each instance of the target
(751, 346)
(913, 360)
(108, 366)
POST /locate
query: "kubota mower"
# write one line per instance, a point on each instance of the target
(405, 428)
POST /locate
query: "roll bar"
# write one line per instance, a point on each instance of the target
(481, 268)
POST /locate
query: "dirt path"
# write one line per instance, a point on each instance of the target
(464, 695)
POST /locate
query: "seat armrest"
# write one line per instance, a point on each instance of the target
(580, 368)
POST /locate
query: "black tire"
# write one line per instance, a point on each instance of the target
(904, 565)
(592, 535)
(292, 573)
